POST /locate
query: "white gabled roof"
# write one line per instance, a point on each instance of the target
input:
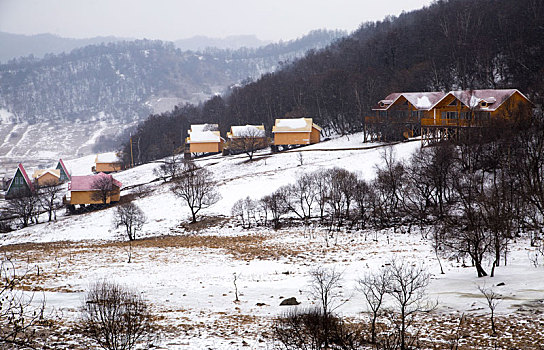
(204, 133)
(110, 157)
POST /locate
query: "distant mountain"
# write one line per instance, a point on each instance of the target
(127, 80)
(233, 42)
(17, 45)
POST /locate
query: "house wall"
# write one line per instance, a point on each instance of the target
(47, 179)
(107, 167)
(292, 138)
(85, 197)
(315, 136)
(206, 147)
(514, 105)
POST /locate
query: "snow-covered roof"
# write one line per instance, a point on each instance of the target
(492, 98)
(110, 157)
(88, 182)
(41, 172)
(247, 130)
(294, 125)
(204, 133)
(420, 100)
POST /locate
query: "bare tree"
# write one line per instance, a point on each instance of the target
(49, 198)
(196, 187)
(251, 139)
(19, 315)
(302, 196)
(244, 209)
(132, 218)
(170, 168)
(374, 287)
(115, 317)
(103, 188)
(408, 284)
(492, 298)
(23, 206)
(325, 287)
(276, 203)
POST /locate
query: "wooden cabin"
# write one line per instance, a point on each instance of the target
(86, 189)
(107, 163)
(44, 177)
(461, 110)
(64, 173)
(438, 115)
(20, 183)
(400, 113)
(300, 131)
(204, 138)
(242, 137)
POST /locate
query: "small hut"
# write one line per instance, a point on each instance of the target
(205, 138)
(44, 177)
(94, 189)
(107, 163)
(20, 183)
(300, 131)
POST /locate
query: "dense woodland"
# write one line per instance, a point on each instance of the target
(456, 44)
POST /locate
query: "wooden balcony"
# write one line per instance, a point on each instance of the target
(448, 122)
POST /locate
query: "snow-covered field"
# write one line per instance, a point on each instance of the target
(40, 145)
(187, 275)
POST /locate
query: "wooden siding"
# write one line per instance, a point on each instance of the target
(315, 136)
(85, 197)
(205, 147)
(47, 179)
(291, 138)
(107, 167)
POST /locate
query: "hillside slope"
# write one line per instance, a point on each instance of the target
(187, 275)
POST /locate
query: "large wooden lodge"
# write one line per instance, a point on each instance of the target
(437, 115)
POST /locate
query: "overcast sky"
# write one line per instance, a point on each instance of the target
(177, 19)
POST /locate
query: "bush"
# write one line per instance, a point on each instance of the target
(115, 317)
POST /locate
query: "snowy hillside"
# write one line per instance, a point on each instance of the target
(187, 275)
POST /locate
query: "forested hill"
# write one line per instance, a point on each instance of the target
(122, 79)
(456, 44)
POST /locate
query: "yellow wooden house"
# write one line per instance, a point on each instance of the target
(299, 131)
(46, 177)
(107, 163)
(242, 136)
(438, 115)
(204, 138)
(85, 190)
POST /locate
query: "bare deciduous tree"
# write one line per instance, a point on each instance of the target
(115, 317)
(49, 196)
(374, 287)
(170, 168)
(23, 206)
(103, 188)
(19, 315)
(492, 299)
(407, 287)
(250, 140)
(132, 218)
(197, 188)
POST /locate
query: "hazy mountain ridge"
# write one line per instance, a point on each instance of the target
(232, 42)
(40, 45)
(119, 78)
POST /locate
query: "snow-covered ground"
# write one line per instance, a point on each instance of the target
(188, 275)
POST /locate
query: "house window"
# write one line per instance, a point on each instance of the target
(450, 115)
(417, 114)
(382, 114)
(453, 103)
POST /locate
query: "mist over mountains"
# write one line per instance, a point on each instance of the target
(127, 80)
